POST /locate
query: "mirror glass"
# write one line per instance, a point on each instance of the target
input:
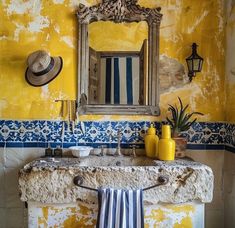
(118, 63)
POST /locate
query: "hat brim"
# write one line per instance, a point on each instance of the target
(46, 78)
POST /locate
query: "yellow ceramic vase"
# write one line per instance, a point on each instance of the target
(166, 145)
(151, 142)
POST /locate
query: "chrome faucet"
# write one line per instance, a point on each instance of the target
(118, 149)
(102, 150)
(133, 152)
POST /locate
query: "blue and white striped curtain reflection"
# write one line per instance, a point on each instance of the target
(120, 84)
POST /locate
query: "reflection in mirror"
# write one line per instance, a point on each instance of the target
(118, 71)
(123, 27)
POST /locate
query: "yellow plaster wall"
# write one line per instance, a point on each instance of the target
(230, 63)
(85, 215)
(30, 25)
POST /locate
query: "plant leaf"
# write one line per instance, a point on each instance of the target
(181, 104)
(173, 112)
(177, 116)
(182, 115)
(170, 122)
(188, 116)
(189, 124)
(180, 120)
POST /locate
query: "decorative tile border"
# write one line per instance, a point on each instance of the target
(38, 133)
(229, 140)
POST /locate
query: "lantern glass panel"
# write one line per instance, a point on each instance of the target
(190, 64)
(200, 65)
(196, 65)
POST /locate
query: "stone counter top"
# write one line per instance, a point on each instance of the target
(51, 181)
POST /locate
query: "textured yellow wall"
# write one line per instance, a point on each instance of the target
(51, 25)
(230, 63)
(186, 215)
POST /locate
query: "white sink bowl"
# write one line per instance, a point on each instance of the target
(80, 151)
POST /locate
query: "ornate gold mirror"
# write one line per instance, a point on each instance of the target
(112, 79)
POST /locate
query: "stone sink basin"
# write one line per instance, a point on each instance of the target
(54, 180)
(94, 161)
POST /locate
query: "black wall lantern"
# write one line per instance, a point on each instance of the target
(194, 63)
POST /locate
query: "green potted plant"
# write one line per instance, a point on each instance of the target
(180, 121)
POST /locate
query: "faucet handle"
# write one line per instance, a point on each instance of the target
(102, 152)
(133, 151)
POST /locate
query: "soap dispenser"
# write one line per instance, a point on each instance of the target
(166, 145)
(151, 142)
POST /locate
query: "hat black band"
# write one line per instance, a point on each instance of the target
(50, 66)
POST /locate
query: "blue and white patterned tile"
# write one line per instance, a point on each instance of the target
(128, 134)
(230, 136)
(69, 138)
(57, 129)
(105, 132)
(5, 131)
(137, 132)
(214, 133)
(46, 131)
(215, 139)
(102, 138)
(193, 135)
(118, 126)
(102, 125)
(196, 138)
(109, 128)
(29, 125)
(232, 129)
(144, 130)
(11, 137)
(12, 124)
(88, 125)
(223, 131)
(198, 126)
(206, 134)
(93, 131)
(214, 127)
(1, 133)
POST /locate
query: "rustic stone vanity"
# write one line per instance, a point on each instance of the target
(53, 189)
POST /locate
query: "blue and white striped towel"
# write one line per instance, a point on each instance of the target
(120, 208)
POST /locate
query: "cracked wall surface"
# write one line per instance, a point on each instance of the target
(84, 215)
(51, 25)
(230, 65)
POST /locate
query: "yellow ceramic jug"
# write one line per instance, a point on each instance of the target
(151, 142)
(166, 145)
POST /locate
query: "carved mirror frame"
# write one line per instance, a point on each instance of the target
(118, 11)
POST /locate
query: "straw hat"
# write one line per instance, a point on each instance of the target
(42, 68)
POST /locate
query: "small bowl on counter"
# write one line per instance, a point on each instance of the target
(80, 151)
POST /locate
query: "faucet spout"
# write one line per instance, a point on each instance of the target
(118, 149)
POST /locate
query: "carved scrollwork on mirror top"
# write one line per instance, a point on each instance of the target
(119, 11)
